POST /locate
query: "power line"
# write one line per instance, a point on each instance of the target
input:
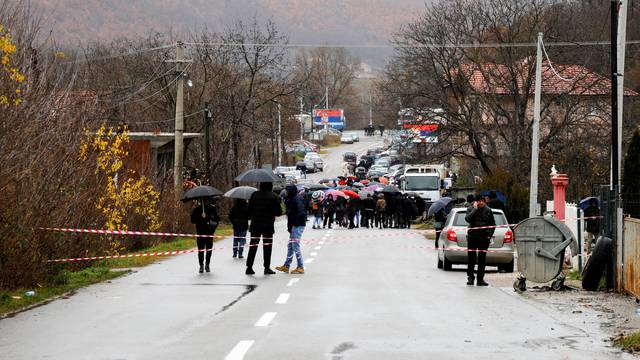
(167, 120)
(431, 45)
(115, 56)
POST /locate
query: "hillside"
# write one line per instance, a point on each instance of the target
(308, 21)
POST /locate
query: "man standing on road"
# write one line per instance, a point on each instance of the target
(264, 207)
(478, 215)
(296, 221)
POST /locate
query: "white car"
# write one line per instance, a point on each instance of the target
(318, 163)
(346, 139)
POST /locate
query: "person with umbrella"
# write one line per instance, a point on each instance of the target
(264, 207)
(329, 210)
(479, 215)
(368, 210)
(239, 216)
(316, 208)
(296, 221)
(205, 217)
(494, 201)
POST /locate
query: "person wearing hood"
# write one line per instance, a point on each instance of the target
(264, 207)
(296, 221)
(329, 210)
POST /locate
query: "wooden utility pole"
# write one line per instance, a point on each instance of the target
(207, 141)
(179, 122)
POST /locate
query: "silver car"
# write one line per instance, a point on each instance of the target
(452, 244)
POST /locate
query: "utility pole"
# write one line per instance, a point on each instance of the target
(179, 123)
(207, 143)
(279, 137)
(370, 112)
(301, 119)
(617, 91)
(535, 137)
(326, 97)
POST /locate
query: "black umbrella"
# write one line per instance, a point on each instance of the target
(200, 192)
(241, 192)
(257, 175)
(390, 189)
(439, 205)
(314, 187)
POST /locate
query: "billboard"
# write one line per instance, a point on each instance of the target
(329, 117)
(423, 133)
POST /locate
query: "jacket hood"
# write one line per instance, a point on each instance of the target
(291, 190)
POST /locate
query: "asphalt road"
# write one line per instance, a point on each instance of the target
(367, 294)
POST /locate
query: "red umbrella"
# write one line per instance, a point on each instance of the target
(383, 180)
(364, 182)
(350, 193)
(342, 182)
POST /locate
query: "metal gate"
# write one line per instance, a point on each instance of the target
(631, 256)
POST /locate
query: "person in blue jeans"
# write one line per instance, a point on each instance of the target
(296, 221)
(239, 218)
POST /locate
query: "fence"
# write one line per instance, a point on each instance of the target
(631, 256)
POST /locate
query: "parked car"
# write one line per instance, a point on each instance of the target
(452, 244)
(350, 157)
(355, 137)
(316, 159)
(346, 139)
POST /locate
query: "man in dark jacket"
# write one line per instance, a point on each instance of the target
(205, 217)
(368, 211)
(593, 224)
(296, 221)
(239, 218)
(478, 240)
(264, 207)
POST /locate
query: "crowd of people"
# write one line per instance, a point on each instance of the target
(382, 210)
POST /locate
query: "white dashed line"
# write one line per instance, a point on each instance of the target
(313, 254)
(240, 350)
(266, 319)
(282, 299)
(320, 242)
(293, 281)
(309, 261)
(317, 248)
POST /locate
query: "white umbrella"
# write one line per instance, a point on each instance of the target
(241, 192)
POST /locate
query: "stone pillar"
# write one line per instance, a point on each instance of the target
(560, 183)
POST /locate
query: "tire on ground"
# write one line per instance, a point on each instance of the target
(597, 263)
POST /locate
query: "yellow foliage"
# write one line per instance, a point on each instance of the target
(8, 72)
(122, 195)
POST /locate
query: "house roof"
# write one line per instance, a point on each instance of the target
(497, 79)
(159, 139)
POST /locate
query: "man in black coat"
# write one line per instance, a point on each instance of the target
(478, 215)
(264, 207)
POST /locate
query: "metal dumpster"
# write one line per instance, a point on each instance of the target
(540, 243)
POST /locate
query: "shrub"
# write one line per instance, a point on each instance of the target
(517, 206)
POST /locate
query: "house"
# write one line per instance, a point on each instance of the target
(152, 153)
(499, 96)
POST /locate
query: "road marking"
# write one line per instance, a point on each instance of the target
(282, 299)
(266, 319)
(317, 248)
(240, 350)
(293, 281)
(309, 261)
(313, 254)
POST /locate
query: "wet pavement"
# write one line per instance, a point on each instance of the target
(366, 294)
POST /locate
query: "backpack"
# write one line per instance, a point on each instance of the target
(381, 205)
